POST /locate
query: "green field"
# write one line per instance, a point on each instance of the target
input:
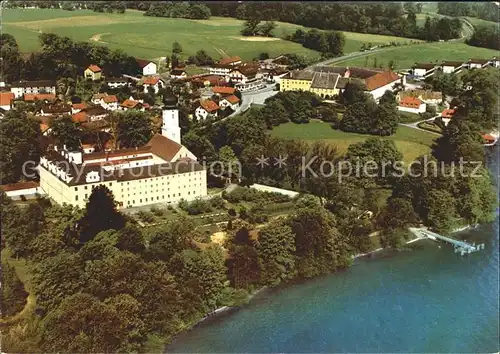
(411, 142)
(477, 22)
(405, 56)
(152, 37)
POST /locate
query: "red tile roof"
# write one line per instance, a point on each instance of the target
(94, 68)
(81, 105)
(488, 137)
(209, 105)
(223, 90)
(163, 147)
(143, 63)
(39, 97)
(232, 99)
(130, 103)
(448, 113)
(6, 98)
(19, 186)
(79, 117)
(151, 80)
(229, 60)
(110, 99)
(381, 79)
(410, 102)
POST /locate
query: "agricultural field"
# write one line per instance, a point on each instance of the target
(404, 57)
(152, 37)
(477, 22)
(411, 142)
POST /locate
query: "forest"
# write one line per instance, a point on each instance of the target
(488, 11)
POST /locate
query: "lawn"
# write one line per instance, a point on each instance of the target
(405, 56)
(477, 22)
(152, 37)
(411, 142)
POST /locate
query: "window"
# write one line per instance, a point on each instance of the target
(76, 188)
(76, 197)
(85, 187)
(140, 200)
(86, 195)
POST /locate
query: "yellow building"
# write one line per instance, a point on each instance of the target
(93, 72)
(324, 84)
(163, 171)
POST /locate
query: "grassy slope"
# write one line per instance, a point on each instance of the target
(405, 57)
(477, 22)
(152, 37)
(411, 142)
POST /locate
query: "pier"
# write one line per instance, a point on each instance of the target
(461, 247)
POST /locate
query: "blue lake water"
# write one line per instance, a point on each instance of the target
(428, 299)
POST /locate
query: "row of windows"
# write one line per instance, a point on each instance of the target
(151, 181)
(157, 198)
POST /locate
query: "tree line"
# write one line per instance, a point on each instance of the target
(329, 43)
(486, 37)
(62, 57)
(97, 6)
(381, 18)
(488, 11)
(178, 10)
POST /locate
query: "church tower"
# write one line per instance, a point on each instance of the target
(170, 127)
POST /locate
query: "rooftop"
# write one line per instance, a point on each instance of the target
(223, 90)
(39, 97)
(232, 99)
(323, 80)
(39, 83)
(6, 98)
(94, 68)
(143, 62)
(209, 105)
(410, 102)
(381, 79)
(229, 60)
(19, 186)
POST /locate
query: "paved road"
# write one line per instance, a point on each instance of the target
(258, 97)
(415, 125)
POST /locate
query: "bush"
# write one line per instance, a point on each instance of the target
(170, 207)
(145, 216)
(252, 195)
(157, 211)
(217, 202)
(196, 207)
(257, 215)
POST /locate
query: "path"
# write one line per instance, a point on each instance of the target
(414, 125)
(97, 37)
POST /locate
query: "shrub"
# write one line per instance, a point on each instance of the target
(217, 202)
(196, 207)
(145, 216)
(157, 211)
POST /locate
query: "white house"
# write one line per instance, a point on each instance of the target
(55, 109)
(96, 97)
(377, 84)
(426, 96)
(20, 88)
(178, 74)
(22, 189)
(452, 67)
(155, 82)
(109, 102)
(207, 108)
(147, 67)
(117, 82)
(495, 62)
(6, 99)
(446, 115)
(412, 105)
(423, 70)
(220, 69)
(478, 63)
(230, 101)
(132, 104)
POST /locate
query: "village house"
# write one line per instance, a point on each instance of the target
(223, 90)
(230, 101)
(207, 108)
(45, 97)
(446, 115)
(412, 105)
(178, 74)
(20, 88)
(379, 83)
(163, 171)
(478, 63)
(90, 114)
(77, 107)
(220, 69)
(147, 67)
(233, 61)
(96, 97)
(132, 104)
(427, 96)
(423, 70)
(495, 62)
(208, 80)
(109, 102)
(55, 109)
(452, 67)
(16, 190)
(6, 99)
(93, 72)
(273, 75)
(154, 82)
(117, 82)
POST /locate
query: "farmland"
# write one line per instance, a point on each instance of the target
(152, 37)
(411, 142)
(405, 56)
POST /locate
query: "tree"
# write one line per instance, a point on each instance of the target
(100, 214)
(58, 277)
(12, 296)
(230, 163)
(274, 113)
(263, 56)
(250, 28)
(176, 48)
(266, 28)
(243, 266)
(398, 214)
(441, 210)
(276, 249)
(134, 128)
(66, 132)
(202, 58)
(353, 93)
(200, 146)
(20, 146)
(82, 323)
(175, 238)
(130, 239)
(328, 114)
(357, 115)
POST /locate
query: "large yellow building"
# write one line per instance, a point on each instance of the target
(163, 171)
(323, 84)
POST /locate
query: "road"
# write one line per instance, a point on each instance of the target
(257, 97)
(415, 125)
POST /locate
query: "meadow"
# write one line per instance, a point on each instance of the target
(411, 142)
(152, 37)
(405, 56)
